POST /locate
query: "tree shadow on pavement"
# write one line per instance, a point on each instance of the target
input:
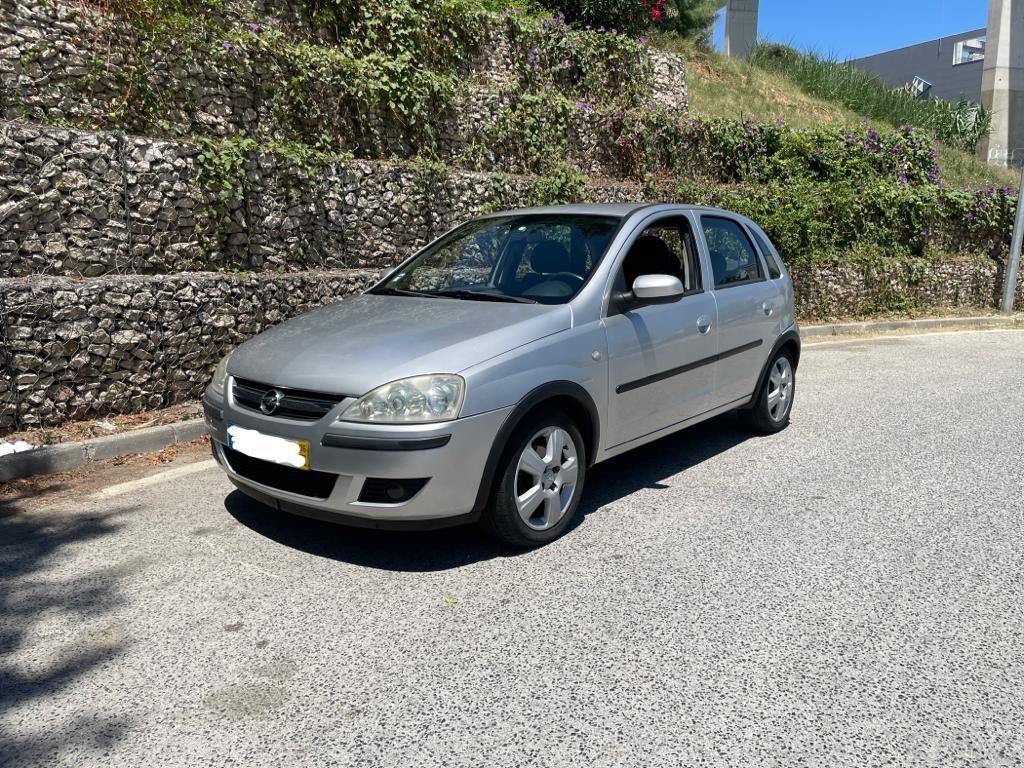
(48, 637)
(645, 467)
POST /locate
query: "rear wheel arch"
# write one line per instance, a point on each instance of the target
(565, 396)
(789, 342)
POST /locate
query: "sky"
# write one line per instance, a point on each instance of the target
(848, 29)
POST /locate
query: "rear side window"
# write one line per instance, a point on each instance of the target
(774, 271)
(733, 259)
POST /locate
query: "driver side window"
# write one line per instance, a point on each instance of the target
(666, 247)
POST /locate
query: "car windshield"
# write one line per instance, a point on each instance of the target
(532, 258)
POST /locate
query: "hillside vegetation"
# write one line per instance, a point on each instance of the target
(765, 89)
(456, 84)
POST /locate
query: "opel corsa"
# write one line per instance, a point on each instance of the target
(485, 376)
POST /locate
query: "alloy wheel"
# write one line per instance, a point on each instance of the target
(780, 389)
(546, 478)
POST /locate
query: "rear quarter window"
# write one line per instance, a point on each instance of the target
(774, 270)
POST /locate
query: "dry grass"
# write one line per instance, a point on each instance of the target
(111, 425)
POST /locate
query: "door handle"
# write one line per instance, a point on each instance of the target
(767, 307)
(704, 324)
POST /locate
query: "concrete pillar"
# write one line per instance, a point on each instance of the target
(1002, 83)
(740, 27)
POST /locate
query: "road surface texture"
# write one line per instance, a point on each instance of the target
(847, 593)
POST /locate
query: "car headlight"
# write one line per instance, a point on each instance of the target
(419, 399)
(220, 376)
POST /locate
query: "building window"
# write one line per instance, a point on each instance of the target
(920, 87)
(966, 51)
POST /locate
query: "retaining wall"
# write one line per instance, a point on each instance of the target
(82, 203)
(78, 349)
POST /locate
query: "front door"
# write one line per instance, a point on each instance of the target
(660, 357)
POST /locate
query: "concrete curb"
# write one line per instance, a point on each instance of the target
(944, 323)
(65, 457)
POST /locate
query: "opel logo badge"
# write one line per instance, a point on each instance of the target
(271, 401)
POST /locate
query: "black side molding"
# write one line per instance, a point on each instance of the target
(385, 443)
(629, 386)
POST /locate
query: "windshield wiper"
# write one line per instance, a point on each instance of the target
(388, 291)
(482, 296)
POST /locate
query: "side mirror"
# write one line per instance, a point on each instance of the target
(652, 289)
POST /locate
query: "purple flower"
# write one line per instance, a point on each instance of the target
(254, 27)
(228, 47)
(644, 40)
(445, 38)
(903, 178)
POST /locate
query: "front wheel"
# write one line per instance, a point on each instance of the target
(774, 402)
(538, 493)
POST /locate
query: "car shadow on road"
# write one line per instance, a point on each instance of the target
(645, 467)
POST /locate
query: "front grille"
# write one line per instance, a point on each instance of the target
(296, 403)
(305, 482)
(380, 490)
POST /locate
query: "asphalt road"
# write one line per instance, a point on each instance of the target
(847, 593)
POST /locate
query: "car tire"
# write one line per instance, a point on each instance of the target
(773, 403)
(533, 502)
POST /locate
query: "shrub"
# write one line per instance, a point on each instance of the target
(690, 18)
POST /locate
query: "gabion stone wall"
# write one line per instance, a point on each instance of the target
(829, 291)
(84, 203)
(83, 348)
(78, 349)
(87, 204)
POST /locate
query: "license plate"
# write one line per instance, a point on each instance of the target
(290, 453)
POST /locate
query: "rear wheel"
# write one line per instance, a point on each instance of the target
(774, 402)
(538, 493)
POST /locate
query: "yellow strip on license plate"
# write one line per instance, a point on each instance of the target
(279, 450)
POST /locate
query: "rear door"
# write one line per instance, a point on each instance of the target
(660, 356)
(747, 306)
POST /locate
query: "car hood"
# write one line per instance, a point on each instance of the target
(365, 341)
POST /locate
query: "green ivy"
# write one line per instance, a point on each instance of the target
(562, 185)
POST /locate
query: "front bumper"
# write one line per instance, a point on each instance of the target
(451, 457)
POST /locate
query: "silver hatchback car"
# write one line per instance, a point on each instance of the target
(484, 377)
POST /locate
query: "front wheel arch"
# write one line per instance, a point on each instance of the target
(566, 396)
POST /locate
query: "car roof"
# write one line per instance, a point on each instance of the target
(618, 210)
